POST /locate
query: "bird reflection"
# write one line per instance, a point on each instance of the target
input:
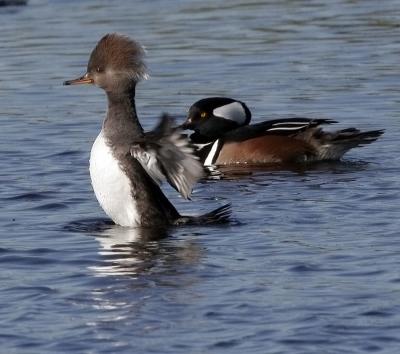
(237, 172)
(134, 251)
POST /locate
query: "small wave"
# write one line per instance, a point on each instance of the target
(89, 225)
(31, 196)
(51, 206)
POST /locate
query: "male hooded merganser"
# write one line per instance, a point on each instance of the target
(127, 164)
(224, 137)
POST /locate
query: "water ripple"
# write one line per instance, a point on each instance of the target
(310, 264)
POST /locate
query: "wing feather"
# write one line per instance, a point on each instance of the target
(165, 153)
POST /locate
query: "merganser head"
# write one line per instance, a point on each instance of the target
(115, 64)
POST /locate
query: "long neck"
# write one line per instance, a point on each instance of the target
(121, 120)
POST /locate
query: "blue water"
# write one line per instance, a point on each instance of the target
(310, 263)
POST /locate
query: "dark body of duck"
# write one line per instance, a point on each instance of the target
(127, 164)
(224, 136)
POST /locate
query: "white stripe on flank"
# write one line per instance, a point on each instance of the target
(292, 123)
(287, 128)
(211, 155)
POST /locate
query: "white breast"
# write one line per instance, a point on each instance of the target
(111, 185)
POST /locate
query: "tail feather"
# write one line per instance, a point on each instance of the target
(356, 137)
(220, 215)
(332, 146)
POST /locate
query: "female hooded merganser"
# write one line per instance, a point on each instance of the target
(127, 164)
(224, 137)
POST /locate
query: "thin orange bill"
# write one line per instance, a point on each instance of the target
(85, 79)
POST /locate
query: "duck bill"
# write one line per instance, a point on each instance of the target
(85, 79)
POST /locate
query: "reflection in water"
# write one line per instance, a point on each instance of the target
(135, 267)
(135, 251)
(245, 171)
(145, 265)
(128, 250)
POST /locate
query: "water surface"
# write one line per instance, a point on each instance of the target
(310, 263)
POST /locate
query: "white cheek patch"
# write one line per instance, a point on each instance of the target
(233, 111)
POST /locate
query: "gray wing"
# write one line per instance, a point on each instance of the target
(166, 154)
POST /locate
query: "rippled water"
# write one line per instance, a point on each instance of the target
(310, 263)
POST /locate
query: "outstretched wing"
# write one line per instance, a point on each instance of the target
(166, 154)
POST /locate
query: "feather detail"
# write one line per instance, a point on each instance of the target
(166, 154)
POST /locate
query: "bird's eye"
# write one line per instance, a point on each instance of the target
(203, 114)
(99, 69)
